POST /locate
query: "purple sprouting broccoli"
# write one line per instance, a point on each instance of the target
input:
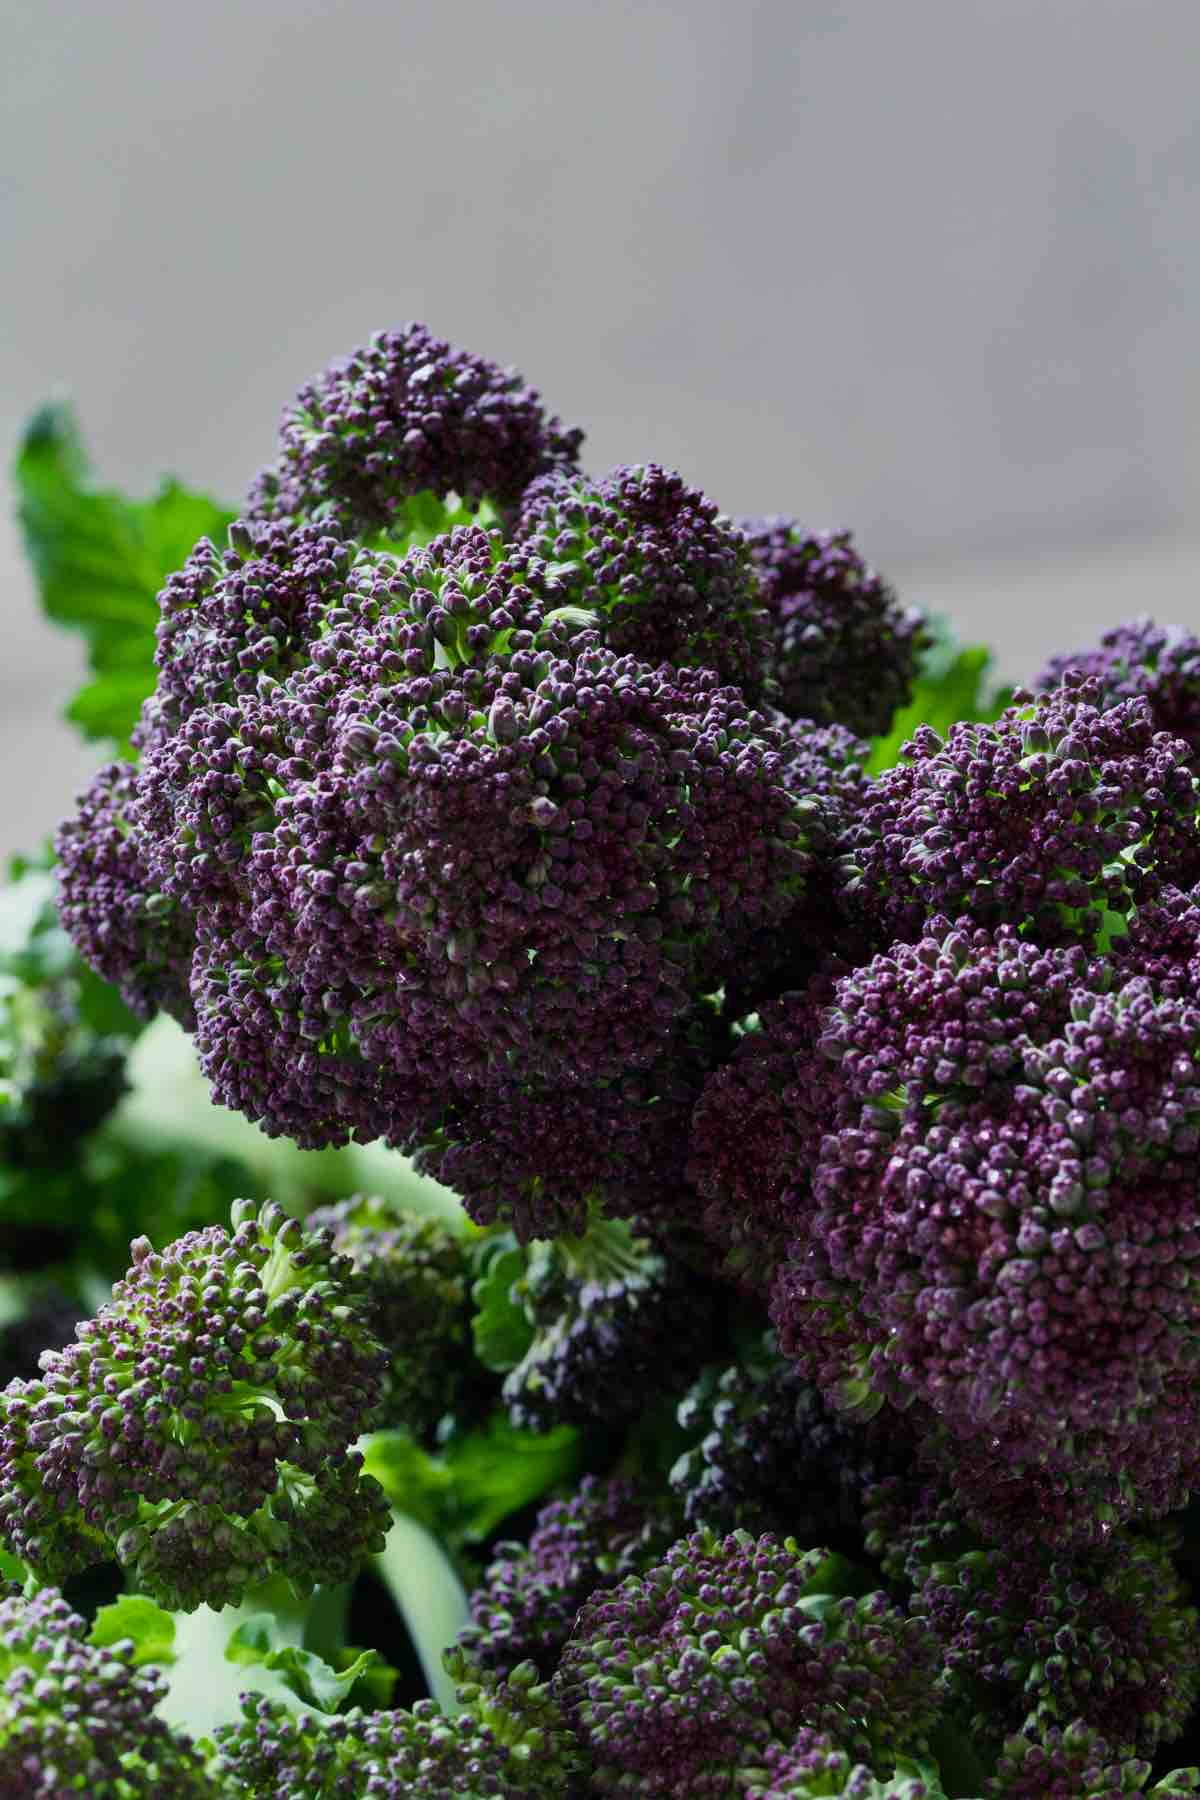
(1141, 659)
(1107, 1635)
(544, 1156)
(825, 769)
(1005, 1498)
(756, 1129)
(417, 1303)
(121, 921)
(276, 1044)
(508, 1741)
(1058, 819)
(531, 1593)
(463, 841)
(1049, 1760)
(665, 578)
(682, 1675)
(404, 415)
(234, 616)
(199, 1427)
(812, 1767)
(79, 1718)
(612, 1320)
(1163, 943)
(845, 651)
(772, 1456)
(1001, 1219)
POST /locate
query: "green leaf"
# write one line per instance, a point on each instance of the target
(133, 1616)
(478, 1480)
(308, 1676)
(12, 1568)
(954, 683)
(501, 1328)
(100, 560)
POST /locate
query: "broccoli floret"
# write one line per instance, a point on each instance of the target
(232, 616)
(825, 769)
(542, 1156)
(120, 920)
(772, 1456)
(1107, 1635)
(1047, 1760)
(666, 579)
(403, 415)
(464, 846)
(76, 1718)
(683, 1674)
(531, 1593)
(508, 1742)
(1141, 659)
(812, 1766)
(612, 1320)
(1056, 820)
(1009, 1148)
(758, 1123)
(198, 1428)
(845, 651)
(417, 1303)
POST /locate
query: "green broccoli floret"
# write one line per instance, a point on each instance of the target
(199, 1427)
(682, 1676)
(417, 1303)
(509, 1742)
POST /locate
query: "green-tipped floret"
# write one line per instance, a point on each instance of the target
(199, 1425)
(730, 1645)
(509, 1742)
(418, 1303)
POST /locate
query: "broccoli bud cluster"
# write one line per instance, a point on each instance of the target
(77, 1718)
(407, 414)
(684, 1673)
(666, 579)
(844, 651)
(198, 1427)
(528, 821)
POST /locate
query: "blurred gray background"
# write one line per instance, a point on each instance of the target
(928, 269)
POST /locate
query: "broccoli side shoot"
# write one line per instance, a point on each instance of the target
(408, 414)
(1056, 820)
(1141, 659)
(198, 1428)
(682, 1675)
(531, 1593)
(664, 578)
(844, 651)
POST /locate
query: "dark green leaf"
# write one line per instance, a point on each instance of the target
(478, 1481)
(100, 561)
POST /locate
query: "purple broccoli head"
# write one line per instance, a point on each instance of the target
(403, 415)
(664, 577)
(845, 651)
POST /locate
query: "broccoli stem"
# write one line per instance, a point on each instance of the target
(429, 1597)
(203, 1687)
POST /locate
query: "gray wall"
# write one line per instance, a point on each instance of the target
(926, 267)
